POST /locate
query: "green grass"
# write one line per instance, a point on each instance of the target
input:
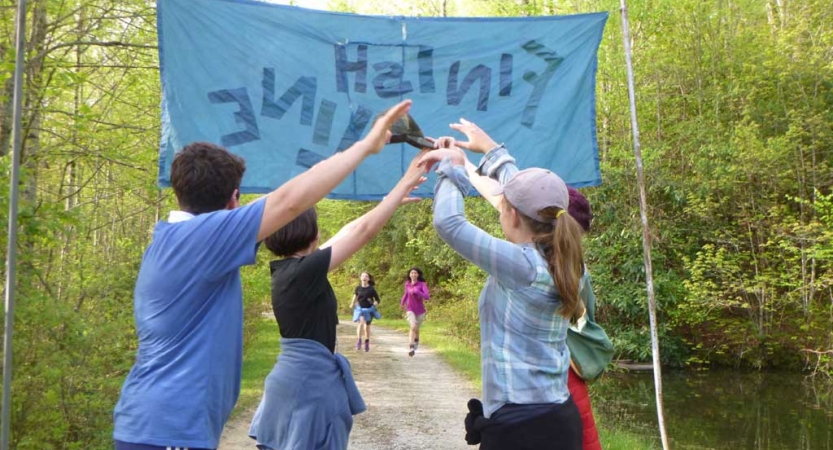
(261, 352)
(622, 440)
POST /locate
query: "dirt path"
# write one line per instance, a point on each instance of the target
(412, 403)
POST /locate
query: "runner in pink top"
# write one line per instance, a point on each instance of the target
(416, 292)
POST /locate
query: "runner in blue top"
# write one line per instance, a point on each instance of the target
(188, 295)
(528, 300)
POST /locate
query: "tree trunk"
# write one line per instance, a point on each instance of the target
(32, 119)
(6, 14)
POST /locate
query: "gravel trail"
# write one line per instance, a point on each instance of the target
(413, 403)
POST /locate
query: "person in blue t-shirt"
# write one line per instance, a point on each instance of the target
(188, 295)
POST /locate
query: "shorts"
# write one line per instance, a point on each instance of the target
(414, 319)
(367, 313)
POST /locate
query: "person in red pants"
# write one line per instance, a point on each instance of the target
(580, 210)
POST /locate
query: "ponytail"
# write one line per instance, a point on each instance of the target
(560, 243)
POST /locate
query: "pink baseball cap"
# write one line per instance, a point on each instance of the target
(534, 189)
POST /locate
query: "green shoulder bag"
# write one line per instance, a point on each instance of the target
(590, 349)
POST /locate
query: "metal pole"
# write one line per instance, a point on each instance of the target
(646, 235)
(11, 252)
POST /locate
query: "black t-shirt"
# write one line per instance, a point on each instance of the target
(302, 299)
(366, 295)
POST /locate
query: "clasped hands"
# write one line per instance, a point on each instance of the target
(448, 147)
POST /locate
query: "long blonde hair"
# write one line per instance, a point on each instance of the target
(559, 241)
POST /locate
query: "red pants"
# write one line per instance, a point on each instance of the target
(578, 390)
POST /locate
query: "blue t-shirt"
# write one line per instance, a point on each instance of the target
(188, 306)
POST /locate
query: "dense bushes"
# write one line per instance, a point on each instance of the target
(736, 113)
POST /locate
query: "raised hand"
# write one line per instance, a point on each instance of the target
(380, 134)
(409, 199)
(478, 140)
(415, 174)
(458, 158)
(443, 142)
(413, 177)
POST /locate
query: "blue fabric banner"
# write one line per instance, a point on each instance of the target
(285, 87)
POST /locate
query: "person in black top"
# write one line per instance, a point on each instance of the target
(364, 303)
(310, 380)
(303, 301)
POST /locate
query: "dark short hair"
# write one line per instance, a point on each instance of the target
(294, 236)
(204, 177)
(580, 209)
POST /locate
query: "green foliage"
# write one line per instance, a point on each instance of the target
(736, 121)
(87, 205)
(262, 348)
(615, 439)
(73, 340)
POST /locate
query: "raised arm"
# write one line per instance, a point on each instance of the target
(304, 191)
(484, 185)
(496, 164)
(485, 181)
(341, 233)
(366, 227)
(504, 260)
(346, 230)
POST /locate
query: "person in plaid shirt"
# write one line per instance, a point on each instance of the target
(529, 298)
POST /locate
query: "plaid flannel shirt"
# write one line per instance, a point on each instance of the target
(524, 356)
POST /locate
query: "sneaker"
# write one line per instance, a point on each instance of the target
(359, 345)
(412, 351)
(367, 346)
